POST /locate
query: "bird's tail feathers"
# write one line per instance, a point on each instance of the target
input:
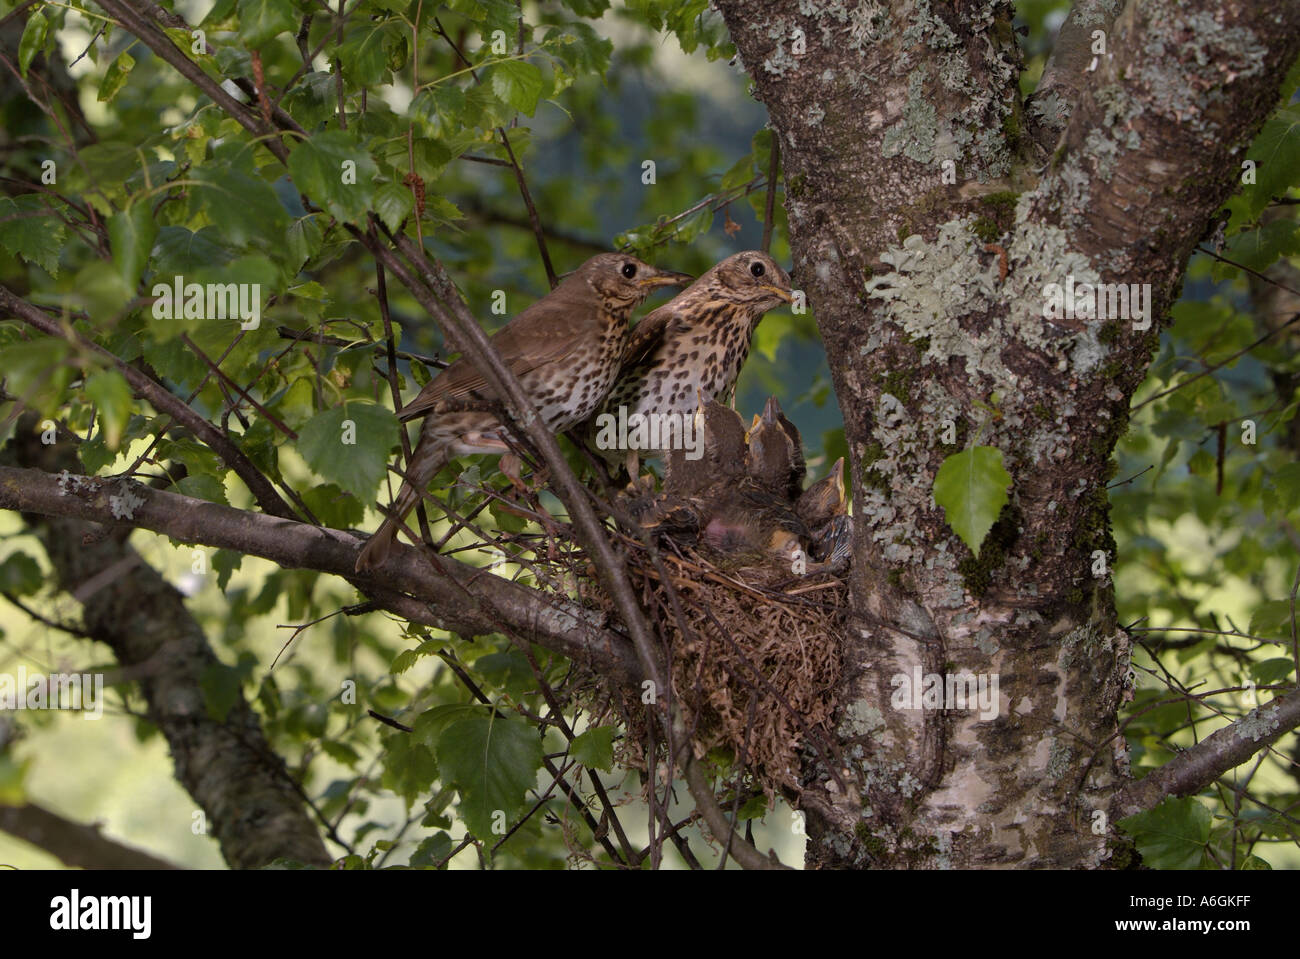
(408, 497)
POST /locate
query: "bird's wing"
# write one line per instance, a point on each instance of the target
(653, 329)
(547, 332)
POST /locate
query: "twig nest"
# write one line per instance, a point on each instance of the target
(746, 597)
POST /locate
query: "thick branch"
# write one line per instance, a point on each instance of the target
(472, 601)
(73, 843)
(1193, 769)
(1066, 71)
(162, 400)
(1154, 144)
(253, 807)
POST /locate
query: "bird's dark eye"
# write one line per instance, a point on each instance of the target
(756, 268)
(629, 270)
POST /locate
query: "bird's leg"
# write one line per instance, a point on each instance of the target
(510, 464)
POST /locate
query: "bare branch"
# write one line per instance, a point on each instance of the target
(1193, 769)
(466, 601)
(73, 843)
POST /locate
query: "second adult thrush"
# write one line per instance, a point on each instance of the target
(691, 349)
(565, 350)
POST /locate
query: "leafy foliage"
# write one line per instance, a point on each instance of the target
(405, 117)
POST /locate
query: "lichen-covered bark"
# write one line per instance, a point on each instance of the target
(925, 237)
(225, 763)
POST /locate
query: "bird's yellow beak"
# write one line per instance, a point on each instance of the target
(786, 295)
(666, 278)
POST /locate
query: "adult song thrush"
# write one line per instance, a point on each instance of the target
(692, 348)
(565, 349)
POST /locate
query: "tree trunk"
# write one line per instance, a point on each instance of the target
(926, 226)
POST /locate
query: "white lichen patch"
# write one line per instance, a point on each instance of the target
(858, 25)
(72, 483)
(928, 133)
(1058, 760)
(125, 501)
(1255, 726)
(932, 285)
(935, 284)
(914, 135)
(1084, 642)
(861, 719)
(1051, 111)
(1220, 55)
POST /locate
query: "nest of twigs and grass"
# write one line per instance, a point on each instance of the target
(742, 582)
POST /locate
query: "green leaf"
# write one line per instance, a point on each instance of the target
(341, 752)
(1171, 836)
(432, 850)
(1272, 620)
(1260, 248)
(242, 207)
(224, 563)
(409, 766)
(94, 454)
(429, 725)
(972, 486)
(262, 20)
(1286, 481)
(33, 39)
(336, 172)
(130, 235)
(593, 9)
(29, 229)
(222, 685)
(595, 748)
(100, 290)
(581, 47)
(1276, 150)
(220, 12)
(203, 486)
(393, 203)
(505, 519)
(694, 226)
(334, 507)
(181, 252)
(349, 445)
(364, 54)
(740, 174)
(431, 157)
(36, 371)
(20, 575)
(518, 83)
(116, 77)
(1271, 671)
(509, 671)
(493, 762)
(404, 661)
(109, 391)
(304, 240)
